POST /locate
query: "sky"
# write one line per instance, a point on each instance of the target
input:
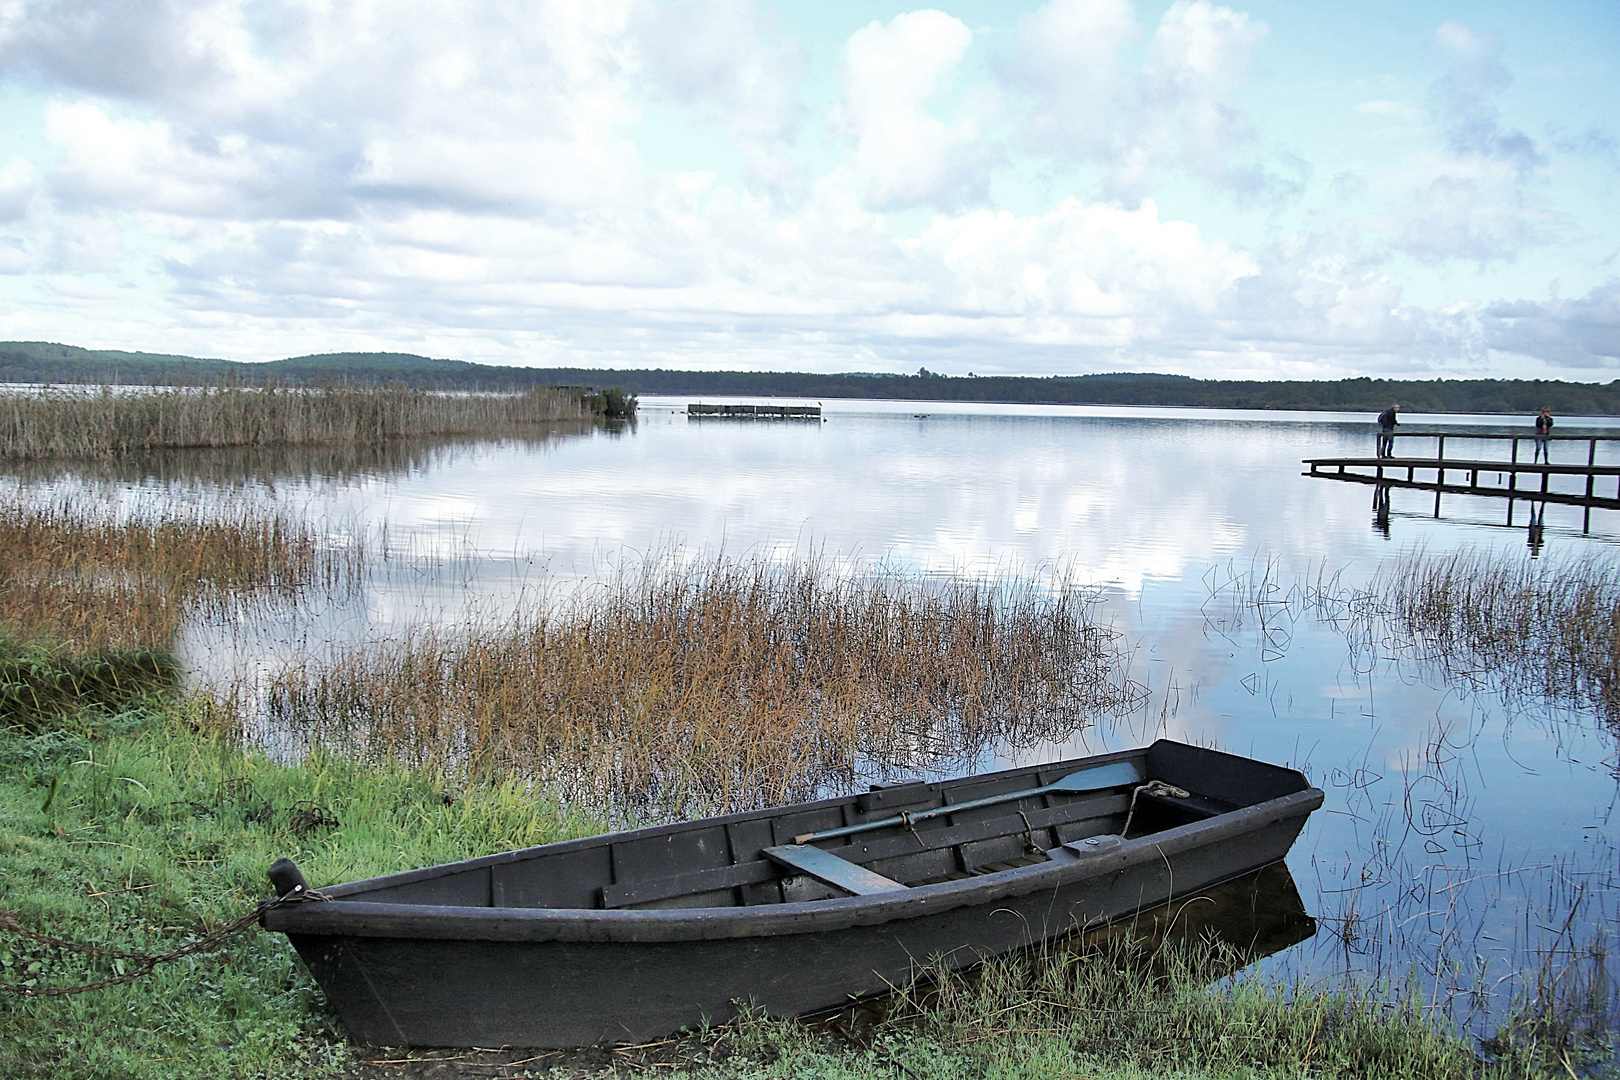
(1300, 190)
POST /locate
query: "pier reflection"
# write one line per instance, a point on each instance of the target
(1539, 482)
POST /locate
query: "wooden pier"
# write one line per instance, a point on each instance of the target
(754, 412)
(1512, 479)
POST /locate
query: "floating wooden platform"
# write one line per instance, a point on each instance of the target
(1490, 477)
(754, 412)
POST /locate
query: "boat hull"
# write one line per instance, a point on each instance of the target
(460, 975)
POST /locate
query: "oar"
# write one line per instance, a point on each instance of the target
(1116, 774)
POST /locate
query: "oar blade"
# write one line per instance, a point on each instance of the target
(1114, 774)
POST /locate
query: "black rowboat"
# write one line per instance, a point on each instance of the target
(633, 935)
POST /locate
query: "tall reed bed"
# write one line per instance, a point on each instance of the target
(1545, 629)
(89, 580)
(722, 685)
(92, 424)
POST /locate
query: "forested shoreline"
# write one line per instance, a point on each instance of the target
(42, 362)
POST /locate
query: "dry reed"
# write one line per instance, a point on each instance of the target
(1546, 630)
(88, 580)
(722, 686)
(94, 424)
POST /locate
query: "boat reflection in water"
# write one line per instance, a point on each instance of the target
(1251, 917)
(1231, 926)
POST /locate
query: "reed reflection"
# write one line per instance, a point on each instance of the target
(238, 466)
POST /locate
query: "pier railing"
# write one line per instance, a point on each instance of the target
(1385, 472)
(1440, 438)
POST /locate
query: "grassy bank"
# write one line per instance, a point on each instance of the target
(726, 684)
(138, 830)
(91, 424)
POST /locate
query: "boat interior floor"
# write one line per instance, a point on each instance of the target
(1005, 840)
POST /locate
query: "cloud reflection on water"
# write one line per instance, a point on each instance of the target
(1177, 517)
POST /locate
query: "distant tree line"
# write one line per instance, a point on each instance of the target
(45, 362)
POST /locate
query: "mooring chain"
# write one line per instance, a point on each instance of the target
(146, 962)
(1152, 787)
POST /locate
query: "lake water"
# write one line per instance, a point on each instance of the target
(1465, 833)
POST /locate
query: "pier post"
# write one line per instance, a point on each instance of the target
(1591, 460)
(1440, 473)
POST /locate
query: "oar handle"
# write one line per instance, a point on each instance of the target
(1108, 776)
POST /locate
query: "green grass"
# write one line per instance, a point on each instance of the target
(1111, 1012)
(141, 830)
(40, 685)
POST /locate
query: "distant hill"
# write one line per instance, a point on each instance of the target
(39, 362)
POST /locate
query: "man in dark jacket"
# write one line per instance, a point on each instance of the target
(1386, 431)
(1544, 424)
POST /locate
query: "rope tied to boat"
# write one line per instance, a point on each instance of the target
(1030, 846)
(297, 892)
(1152, 787)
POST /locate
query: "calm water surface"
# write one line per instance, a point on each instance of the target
(1462, 832)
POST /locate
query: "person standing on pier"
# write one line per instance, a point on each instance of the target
(1386, 431)
(1544, 425)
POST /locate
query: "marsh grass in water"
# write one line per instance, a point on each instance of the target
(682, 689)
(98, 424)
(1547, 629)
(91, 580)
(225, 470)
(141, 828)
(1513, 949)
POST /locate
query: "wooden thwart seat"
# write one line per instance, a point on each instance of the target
(827, 867)
(1097, 810)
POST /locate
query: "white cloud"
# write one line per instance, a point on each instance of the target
(722, 63)
(716, 56)
(1080, 264)
(1463, 217)
(1068, 61)
(1477, 199)
(1199, 54)
(1175, 112)
(16, 188)
(905, 156)
(147, 164)
(229, 178)
(1463, 106)
(1583, 333)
